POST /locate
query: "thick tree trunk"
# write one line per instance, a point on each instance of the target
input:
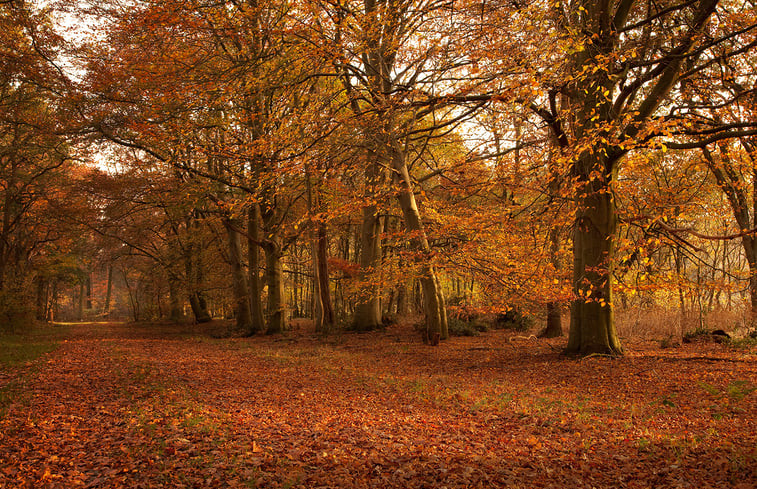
(275, 281)
(554, 321)
(199, 307)
(750, 251)
(402, 305)
(554, 315)
(82, 299)
(368, 308)
(244, 323)
(253, 256)
(175, 313)
(41, 298)
(323, 275)
(433, 298)
(592, 325)
(323, 312)
(194, 279)
(89, 291)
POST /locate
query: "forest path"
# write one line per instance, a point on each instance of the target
(119, 405)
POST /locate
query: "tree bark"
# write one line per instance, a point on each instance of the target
(244, 323)
(89, 291)
(175, 314)
(323, 275)
(193, 266)
(253, 256)
(554, 315)
(108, 291)
(592, 325)
(82, 298)
(52, 312)
(133, 300)
(368, 308)
(41, 297)
(433, 297)
(199, 307)
(323, 312)
(275, 281)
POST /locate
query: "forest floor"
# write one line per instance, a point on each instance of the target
(119, 405)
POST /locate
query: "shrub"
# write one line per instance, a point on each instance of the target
(459, 308)
(513, 319)
(460, 327)
(16, 313)
(703, 334)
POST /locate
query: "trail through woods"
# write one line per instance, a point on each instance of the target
(154, 406)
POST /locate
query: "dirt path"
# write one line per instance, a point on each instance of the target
(119, 406)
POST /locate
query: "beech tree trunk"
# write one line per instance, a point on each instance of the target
(323, 275)
(193, 266)
(368, 308)
(41, 297)
(82, 298)
(592, 325)
(199, 307)
(175, 313)
(52, 311)
(275, 281)
(609, 109)
(323, 312)
(554, 315)
(108, 291)
(433, 297)
(89, 291)
(253, 256)
(730, 182)
(244, 324)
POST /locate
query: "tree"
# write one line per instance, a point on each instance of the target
(627, 61)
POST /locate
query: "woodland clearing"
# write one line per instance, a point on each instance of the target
(123, 405)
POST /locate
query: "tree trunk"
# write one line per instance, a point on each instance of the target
(253, 255)
(750, 251)
(433, 298)
(175, 313)
(133, 301)
(89, 291)
(275, 281)
(592, 325)
(323, 275)
(41, 298)
(82, 298)
(368, 308)
(193, 266)
(244, 324)
(323, 312)
(402, 305)
(52, 311)
(554, 322)
(199, 307)
(108, 291)
(554, 316)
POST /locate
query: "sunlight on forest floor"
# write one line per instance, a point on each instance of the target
(165, 405)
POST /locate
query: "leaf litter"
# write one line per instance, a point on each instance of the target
(135, 406)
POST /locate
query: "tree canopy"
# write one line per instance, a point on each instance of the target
(359, 162)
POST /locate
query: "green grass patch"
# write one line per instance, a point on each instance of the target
(21, 348)
(16, 350)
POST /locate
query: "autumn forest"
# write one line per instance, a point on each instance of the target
(265, 232)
